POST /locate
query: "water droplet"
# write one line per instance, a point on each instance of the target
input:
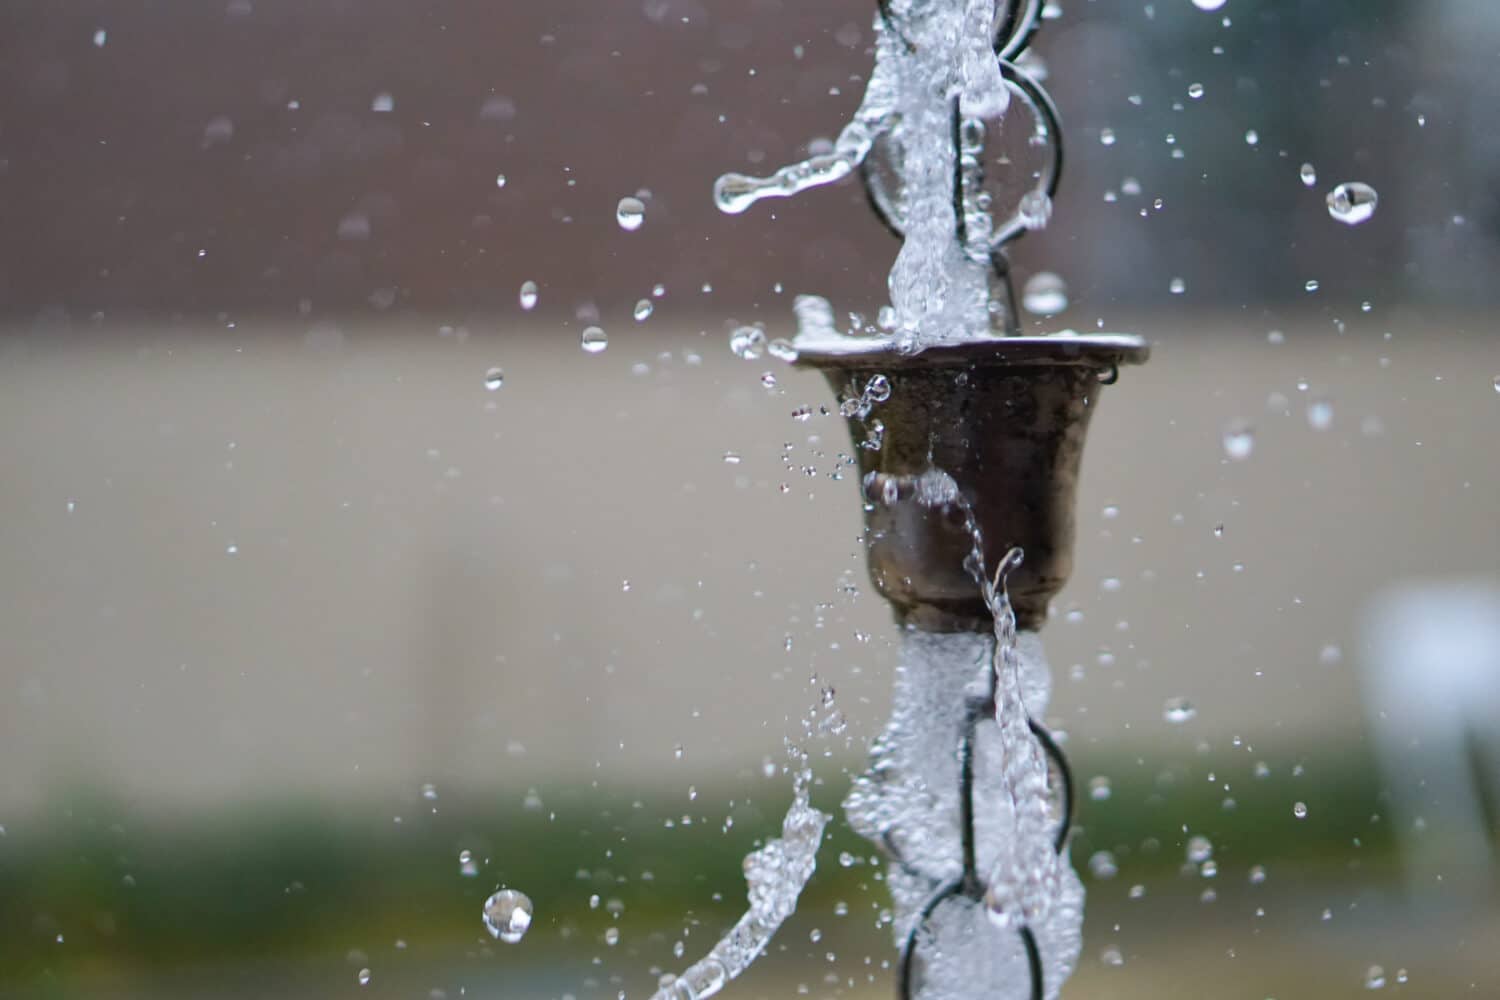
(1179, 710)
(1252, 138)
(748, 342)
(383, 103)
(1102, 865)
(363, 977)
(1319, 414)
(1107, 136)
(1099, 788)
(594, 339)
(878, 389)
(1257, 874)
(782, 349)
(507, 915)
(1208, 4)
(1309, 175)
(1035, 210)
(467, 866)
(1299, 810)
(1195, 90)
(494, 379)
(1497, 383)
(1045, 294)
(643, 310)
(429, 792)
(1239, 440)
(1199, 849)
(612, 936)
(1353, 203)
(528, 295)
(1312, 285)
(499, 180)
(1374, 978)
(630, 213)
(1177, 286)
(1112, 955)
(100, 37)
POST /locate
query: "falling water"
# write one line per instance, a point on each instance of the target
(958, 792)
(929, 54)
(974, 693)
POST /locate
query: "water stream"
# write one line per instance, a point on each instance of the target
(929, 54)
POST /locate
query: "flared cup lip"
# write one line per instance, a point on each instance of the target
(1094, 350)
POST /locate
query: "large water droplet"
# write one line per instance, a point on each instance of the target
(1035, 210)
(1209, 4)
(594, 339)
(507, 915)
(1353, 203)
(630, 213)
(528, 294)
(1239, 440)
(1179, 710)
(1045, 294)
(494, 379)
(748, 342)
(1320, 414)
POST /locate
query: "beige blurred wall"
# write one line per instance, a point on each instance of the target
(429, 577)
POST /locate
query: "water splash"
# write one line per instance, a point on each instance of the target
(775, 876)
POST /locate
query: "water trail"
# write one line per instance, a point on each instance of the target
(775, 875)
(909, 801)
(934, 60)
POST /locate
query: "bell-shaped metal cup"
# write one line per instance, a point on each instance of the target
(1006, 420)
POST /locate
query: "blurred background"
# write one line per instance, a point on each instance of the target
(312, 634)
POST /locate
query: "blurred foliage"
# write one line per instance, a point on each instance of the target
(99, 889)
